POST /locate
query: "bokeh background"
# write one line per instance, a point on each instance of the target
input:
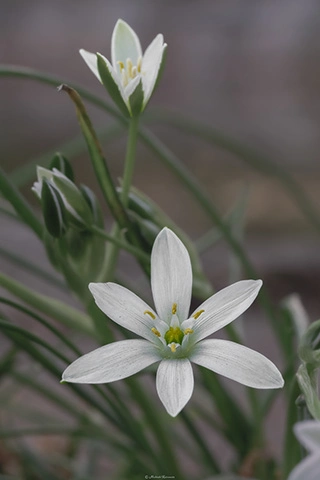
(249, 69)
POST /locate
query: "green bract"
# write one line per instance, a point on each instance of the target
(131, 76)
(78, 211)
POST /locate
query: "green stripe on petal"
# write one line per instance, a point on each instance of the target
(112, 362)
(136, 100)
(110, 82)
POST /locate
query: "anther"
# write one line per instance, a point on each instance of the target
(121, 65)
(174, 309)
(134, 72)
(188, 330)
(139, 64)
(129, 67)
(173, 347)
(152, 315)
(197, 314)
(156, 332)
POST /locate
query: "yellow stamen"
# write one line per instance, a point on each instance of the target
(139, 64)
(173, 347)
(188, 330)
(152, 315)
(174, 309)
(134, 72)
(129, 67)
(156, 332)
(121, 65)
(197, 314)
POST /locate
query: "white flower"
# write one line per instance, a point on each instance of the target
(129, 67)
(308, 433)
(170, 335)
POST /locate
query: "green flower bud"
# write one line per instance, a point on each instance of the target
(62, 164)
(53, 210)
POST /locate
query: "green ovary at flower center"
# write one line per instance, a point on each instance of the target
(174, 335)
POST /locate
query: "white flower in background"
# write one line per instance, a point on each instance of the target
(308, 433)
(129, 67)
(171, 336)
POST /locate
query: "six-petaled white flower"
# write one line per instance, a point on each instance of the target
(308, 433)
(129, 68)
(171, 336)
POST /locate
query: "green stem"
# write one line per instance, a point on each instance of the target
(113, 250)
(30, 267)
(292, 449)
(120, 243)
(130, 159)
(206, 454)
(20, 205)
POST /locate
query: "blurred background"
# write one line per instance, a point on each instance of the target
(248, 69)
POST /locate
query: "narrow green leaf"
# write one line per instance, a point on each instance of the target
(20, 205)
(32, 268)
(49, 306)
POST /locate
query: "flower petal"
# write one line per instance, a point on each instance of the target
(150, 65)
(91, 61)
(175, 384)
(224, 307)
(171, 276)
(112, 362)
(308, 469)
(130, 88)
(238, 363)
(124, 44)
(308, 433)
(125, 308)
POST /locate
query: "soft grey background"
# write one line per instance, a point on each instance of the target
(248, 68)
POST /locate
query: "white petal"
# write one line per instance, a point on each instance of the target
(125, 308)
(224, 307)
(124, 44)
(308, 469)
(91, 61)
(175, 384)
(112, 362)
(171, 276)
(150, 65)
(308, 433)
(238, 363)
(130, 88)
